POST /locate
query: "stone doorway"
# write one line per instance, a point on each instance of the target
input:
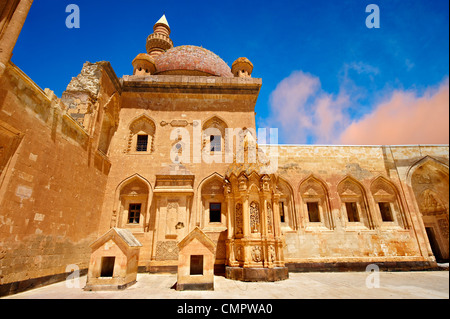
(430, 183)
(434, 244)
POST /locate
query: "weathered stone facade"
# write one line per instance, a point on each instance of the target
(137, 153)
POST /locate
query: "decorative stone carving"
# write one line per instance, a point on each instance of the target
(242, 183)
(166, 250)
(256, 254)
(254, 217)
(429, 204)
(179, 123)
(227, 187)
(443, 226)
(265, 186)
(171, 217)
(143, 123)
(272, 253)
(269, 218)
(239, 253)
(239, 217)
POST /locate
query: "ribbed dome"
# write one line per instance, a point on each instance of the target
(191, 60)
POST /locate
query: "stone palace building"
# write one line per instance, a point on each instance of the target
(149, 153)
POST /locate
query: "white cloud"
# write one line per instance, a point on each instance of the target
(305, 113)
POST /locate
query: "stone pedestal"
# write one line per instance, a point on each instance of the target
(257, 274)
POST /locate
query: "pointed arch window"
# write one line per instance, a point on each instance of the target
(213, 132)
(288, 217)
(141, 136)
(388, 205)
(213, 203)
(354, 205)
(315, 205)
(133, 205)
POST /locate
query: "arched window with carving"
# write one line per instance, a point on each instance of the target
(288, 217)
(315, 204)
(387, 203)
(354, 205)
(213, 135)
(141, 136)
(213, 203)
(133, 204)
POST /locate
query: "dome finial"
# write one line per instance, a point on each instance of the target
(159, 41)
(163, 22)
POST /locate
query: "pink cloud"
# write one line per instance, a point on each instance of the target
(302, 110)
(404, 119)
(305, 113)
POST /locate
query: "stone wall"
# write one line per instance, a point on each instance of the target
(51, 187)
(367, 167)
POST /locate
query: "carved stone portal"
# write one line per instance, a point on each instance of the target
(255, 247)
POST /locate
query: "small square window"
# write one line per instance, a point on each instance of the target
(352, 211)
(313, 212)
(215, 211)
(134, 213)
(196, 265)
(107, 266)
(386, 212)
(142, 143)
(215, 143)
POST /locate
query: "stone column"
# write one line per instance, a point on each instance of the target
(263, 221)
(246, 231)
(277, 231)
(230, 216)
(246, 217)
(11, 34)
(276, 216)
(230, 230)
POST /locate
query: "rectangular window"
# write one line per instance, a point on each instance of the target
(352, 211)
(107, 267)
(142, 143)
(134, 213)
(282, 212)
(215, 211)
(215, 142)
(196, 265)
(313, 212)
(385, 210)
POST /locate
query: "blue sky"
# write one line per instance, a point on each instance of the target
(325, 40)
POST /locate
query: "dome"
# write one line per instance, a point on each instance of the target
(191, 60)
(242, 67)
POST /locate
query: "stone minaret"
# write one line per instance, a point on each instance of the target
(159, 41)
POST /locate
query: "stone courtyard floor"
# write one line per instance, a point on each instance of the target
(345, 285)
